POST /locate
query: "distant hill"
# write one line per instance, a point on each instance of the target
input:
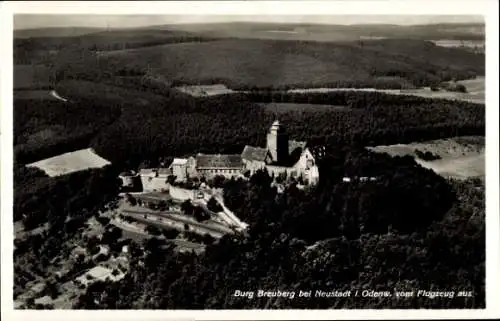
(54, 32)
(294, 31)
(304, 55)
(261, 63)
(322, 32)
(43, 48)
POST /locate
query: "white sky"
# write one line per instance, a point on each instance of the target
(123, 21)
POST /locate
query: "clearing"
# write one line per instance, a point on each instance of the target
(461, 157)
(205, 90)
(70, 162)
(475, 91)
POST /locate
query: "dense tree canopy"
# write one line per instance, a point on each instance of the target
(319, 239)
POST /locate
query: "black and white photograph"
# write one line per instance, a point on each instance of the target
(178, 161)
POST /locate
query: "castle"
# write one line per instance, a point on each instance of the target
(280, 156)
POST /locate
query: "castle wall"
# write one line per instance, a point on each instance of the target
(181, 194)
(302, 163)
(253, 166)
(154, 184)
(180, 171)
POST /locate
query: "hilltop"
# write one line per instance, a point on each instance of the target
(290, 31)
(250, 54)
(332, 32)
(271, 63)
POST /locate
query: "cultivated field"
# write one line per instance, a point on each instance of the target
(461, 157)
(475, 91)
(205, 90)
(70, 162)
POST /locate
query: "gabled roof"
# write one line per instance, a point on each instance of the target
(254, 153)
(179, 161)
(219, 161)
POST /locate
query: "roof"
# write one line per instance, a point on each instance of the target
(147, 171)
(218, 161)
(165, 171)
(154, 171)
(294, 144)
(254, 153)
(179, 161)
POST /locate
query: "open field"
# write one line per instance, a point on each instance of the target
(205, 90)
(475, 91)
(70, 162)
(477, 45)
(461, 157)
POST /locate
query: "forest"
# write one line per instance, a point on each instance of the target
(68, 126)
(388, 63)
(408, 229)
(319, 240)
(128, 126)
(39, 199)
(172, 125)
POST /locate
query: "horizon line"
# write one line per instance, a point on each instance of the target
(254, 22)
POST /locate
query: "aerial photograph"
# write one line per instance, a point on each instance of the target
(182, 162)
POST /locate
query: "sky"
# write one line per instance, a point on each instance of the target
(125, 21)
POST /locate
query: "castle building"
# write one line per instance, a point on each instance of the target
(280, 157)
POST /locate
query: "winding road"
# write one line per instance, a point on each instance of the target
(54, 94)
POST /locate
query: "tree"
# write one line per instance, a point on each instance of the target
(153, 230)
(187, 207)
(103, 220)
(170, 233)
(111, 235)
(200, 215)
(132, 200)
(171, 179)
(162, 205)
(208, 239)
(213, 205)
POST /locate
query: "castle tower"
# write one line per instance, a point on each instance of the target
(277, 143)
